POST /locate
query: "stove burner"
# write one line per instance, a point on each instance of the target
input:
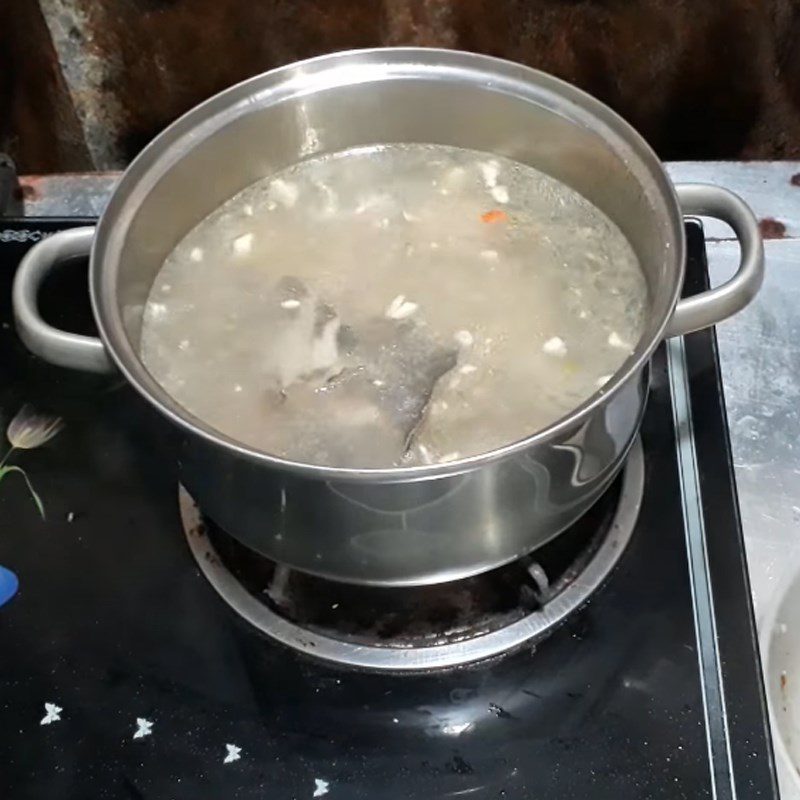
(426, 627)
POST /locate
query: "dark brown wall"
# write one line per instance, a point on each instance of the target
(38, 125)
(701, 79)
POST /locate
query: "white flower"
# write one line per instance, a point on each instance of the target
(52, 713)
(144, 727)
(29, 429)
(233, 754)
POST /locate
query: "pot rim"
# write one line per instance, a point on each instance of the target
(501, 75)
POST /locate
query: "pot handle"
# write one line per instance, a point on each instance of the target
(56, 346)
(707, 308)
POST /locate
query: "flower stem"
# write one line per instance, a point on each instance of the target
(6, 456)
(5, 469)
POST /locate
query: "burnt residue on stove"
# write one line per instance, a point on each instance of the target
(424, 616)
(500, 712)
(771, 228)
(459, 766)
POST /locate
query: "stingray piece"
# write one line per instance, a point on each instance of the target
(303, 335)
(379, 374)
(403, 362)
(380, 397)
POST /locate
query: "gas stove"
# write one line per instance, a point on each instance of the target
(147, 654)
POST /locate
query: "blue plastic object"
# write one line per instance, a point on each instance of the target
(9, 583)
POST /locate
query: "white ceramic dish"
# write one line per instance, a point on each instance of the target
(780, 651)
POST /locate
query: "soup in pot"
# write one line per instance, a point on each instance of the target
(394, 305)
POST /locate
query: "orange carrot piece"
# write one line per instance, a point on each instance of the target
(495, 215)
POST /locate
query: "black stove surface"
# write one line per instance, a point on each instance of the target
(652, 690)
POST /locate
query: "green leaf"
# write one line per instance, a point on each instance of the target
(4, 470)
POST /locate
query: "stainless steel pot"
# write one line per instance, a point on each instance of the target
(392, 526)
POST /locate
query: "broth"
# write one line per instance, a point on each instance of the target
(394, 305)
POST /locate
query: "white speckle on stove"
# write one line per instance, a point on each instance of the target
(52, 713)
(395, 720)
(434, 245)
(468, 368)
(248, 210)
(291, 303)
(144, 727)
(196, 254)
(500, 194)
(233, 754)
(555, 346)
(243, 244)
(238, 388)
(335, 606)
(70, 516)
(490, 255)
(454, 456)
(320, 787)
(183, 344)
(166, 288)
